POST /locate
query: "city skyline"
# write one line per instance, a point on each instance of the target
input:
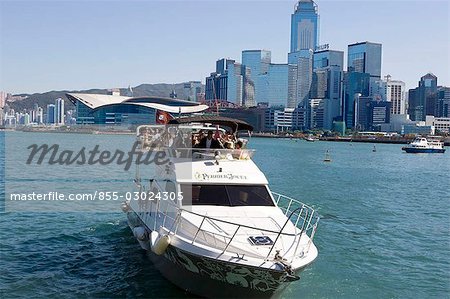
(114, 45)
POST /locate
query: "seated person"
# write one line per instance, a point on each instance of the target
(209, 141)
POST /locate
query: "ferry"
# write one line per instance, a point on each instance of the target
(227, 234)
(430, 144)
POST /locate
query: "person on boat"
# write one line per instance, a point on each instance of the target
(209, 141)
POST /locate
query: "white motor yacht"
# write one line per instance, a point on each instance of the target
(217, 229)
(430, 144)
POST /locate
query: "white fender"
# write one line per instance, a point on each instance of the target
(159, 243)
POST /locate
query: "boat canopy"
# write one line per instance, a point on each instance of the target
(234, 124)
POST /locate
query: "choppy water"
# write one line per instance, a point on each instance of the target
(384, 232)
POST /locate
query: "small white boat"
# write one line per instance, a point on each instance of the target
(228, 235)
(374, 149)
(310, 138)
(430, 144)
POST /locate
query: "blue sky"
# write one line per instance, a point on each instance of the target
(72, 45)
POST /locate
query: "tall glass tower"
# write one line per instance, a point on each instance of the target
(305, 26)
(304, 40)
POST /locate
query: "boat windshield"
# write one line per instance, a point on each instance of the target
(226, 195)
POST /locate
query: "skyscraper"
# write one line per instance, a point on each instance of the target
(365, 57)
(235, 85)
(258, 62)
(304, 26)
(428, 94)
(326, 85)
(191, 90)
(299, 78)
(363, 70)
(59, 111)
(231, 82)
(304, 40)
(3, 96)
(443, 102)
(355, 85)
(422, 99)
(327, 69)
(326, 58)
(216, 84)
(50, 114)
(273, 86)
(391, 91)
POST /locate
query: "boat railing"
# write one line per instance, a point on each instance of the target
(304, 218)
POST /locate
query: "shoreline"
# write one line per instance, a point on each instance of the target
(386, 140)
(361, 139)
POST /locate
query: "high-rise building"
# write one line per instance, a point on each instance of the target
(249, 88)
(304, 40)
(59, 111)
(326, 83)
(315, 114)
(379, 114)
(365, 57)
(391, 91)
(51, 114)
(231, 82)
(3, 96)
(355, 85)
(40, 116)
(304, 26)
(422, 100)
(274, 85)
(191, 90)
(216, 84)
(235, 84)
(443, 102)
(326, 58)
(258, 62)
(299, 78)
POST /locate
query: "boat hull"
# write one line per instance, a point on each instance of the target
(214, 278)
(412, 150)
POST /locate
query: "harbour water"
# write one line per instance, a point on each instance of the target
(384, 231)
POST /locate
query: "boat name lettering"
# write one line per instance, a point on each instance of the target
(218, 176)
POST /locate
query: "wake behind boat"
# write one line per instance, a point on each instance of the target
(430, 144)
(229, 235)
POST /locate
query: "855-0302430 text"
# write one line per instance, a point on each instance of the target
(96, 195)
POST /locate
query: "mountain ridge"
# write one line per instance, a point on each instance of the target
(49, 97)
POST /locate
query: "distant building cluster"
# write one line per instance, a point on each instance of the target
(313, 91)
(54, 115)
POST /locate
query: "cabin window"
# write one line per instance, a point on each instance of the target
(227, 195)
